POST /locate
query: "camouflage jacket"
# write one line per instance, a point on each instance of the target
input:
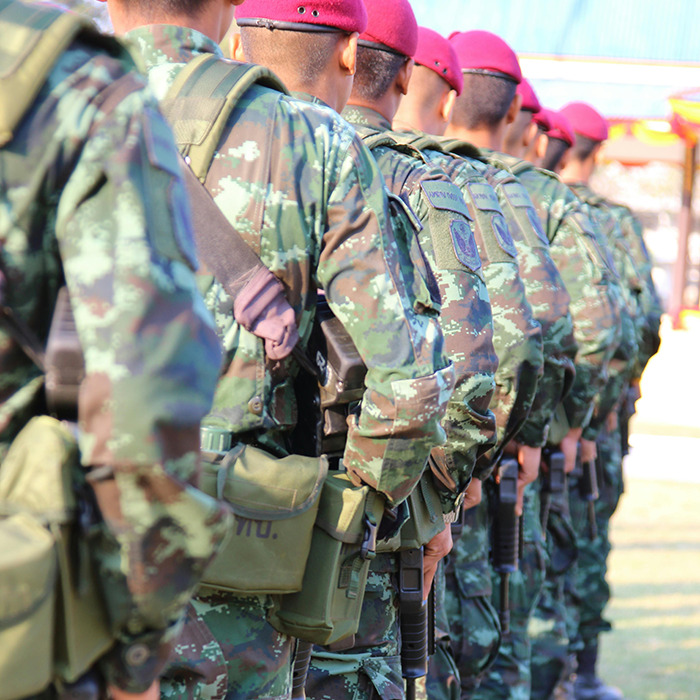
(297, 183)
(649, 300)
(547, 295)
(91, 197)
(446, 242)
(583, 267)
(517, 336)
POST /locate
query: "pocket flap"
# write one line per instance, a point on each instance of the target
(27, 567)
(259, 486)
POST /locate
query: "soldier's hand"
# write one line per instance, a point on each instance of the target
(529, 459)
(589, 451)
(438, 548)
(153, 693)
(569, 445)
(472, 496)
(611, 422)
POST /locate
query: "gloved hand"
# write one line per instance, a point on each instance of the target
(262, 308)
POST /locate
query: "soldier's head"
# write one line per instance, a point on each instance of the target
(310, 44)
(536, 150)
(523, 130)
(435, 83)
(591, 129)
(560, 138)
(489, 101)
(385, 56)
(211, 17)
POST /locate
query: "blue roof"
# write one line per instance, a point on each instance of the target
(639, 31)
(657, 30)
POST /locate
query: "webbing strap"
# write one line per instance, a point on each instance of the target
(461, 148)
(201, 99)
(385, 138)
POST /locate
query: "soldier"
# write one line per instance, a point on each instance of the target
(469, 424)
(422, 109)
(577, 166)
(325, 226)
(92, 198)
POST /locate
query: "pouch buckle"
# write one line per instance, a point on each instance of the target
(369, 542)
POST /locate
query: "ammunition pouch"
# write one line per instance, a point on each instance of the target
(274, 503)
(327, 608)
(53, 624)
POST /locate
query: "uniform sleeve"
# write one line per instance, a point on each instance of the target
(151, 361)
(409, 379)
(466, 322)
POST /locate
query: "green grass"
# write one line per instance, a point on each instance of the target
(653, 652)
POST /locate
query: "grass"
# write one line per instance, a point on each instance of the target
(653, 652)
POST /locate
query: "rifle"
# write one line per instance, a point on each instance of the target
(87, 687)
(553, 482)
(588, 490)
(300, 670)
(415, 620)
(506, 533)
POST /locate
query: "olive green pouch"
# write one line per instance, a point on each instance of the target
(39, 479)
(274, 503)
(328, 606)
(424, 521)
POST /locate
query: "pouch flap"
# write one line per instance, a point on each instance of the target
(27, 567)
(259, 486)
(341, 512)
(35, 476)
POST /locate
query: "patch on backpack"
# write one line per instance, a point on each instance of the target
(503, 237)
(484, 197)
(517, 195)
(464, 244)
(447, 196)
(537, 225)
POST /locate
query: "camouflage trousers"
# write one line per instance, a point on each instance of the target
(591, 592)
(549, 634)
(227, 651)
(509, 676)
(474, 629)
(370, 666)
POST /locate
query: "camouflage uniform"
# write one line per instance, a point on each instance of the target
(475, 635)
(583, 267)
(313, 207)
(91, 197)
(445, 243)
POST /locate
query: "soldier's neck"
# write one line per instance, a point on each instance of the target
(481, 137)
(576, 171)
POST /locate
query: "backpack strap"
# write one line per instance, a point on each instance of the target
(461, 148)
(393, 141)
(201, 99)
(34, 37)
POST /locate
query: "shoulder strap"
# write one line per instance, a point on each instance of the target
(393, 141)
(34, 37)
(201, 100)
(461, 148)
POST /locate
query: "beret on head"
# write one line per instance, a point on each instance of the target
(436, 53)
(484, 52)
(530, 101)
(586, 121)
(303, 15)
(392, 25)
(561, 128)
(543, 119)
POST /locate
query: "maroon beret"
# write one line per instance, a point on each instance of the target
(543, 119)
(391, 25)
(436, 53)
(586, 121)
(561, 128)
(303, 15)
(484, 52)
(530, 101)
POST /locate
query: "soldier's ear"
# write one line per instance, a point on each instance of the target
(447, 104)
(348, 53)
(236, 48)
(403, 77)
(514, 109)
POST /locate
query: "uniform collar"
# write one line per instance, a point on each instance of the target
(365, 116)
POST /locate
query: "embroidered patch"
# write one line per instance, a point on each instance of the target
(447, 196)
(537, 225)
(484, 197)
(503, 236)
(517, 195)
(464, 244)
